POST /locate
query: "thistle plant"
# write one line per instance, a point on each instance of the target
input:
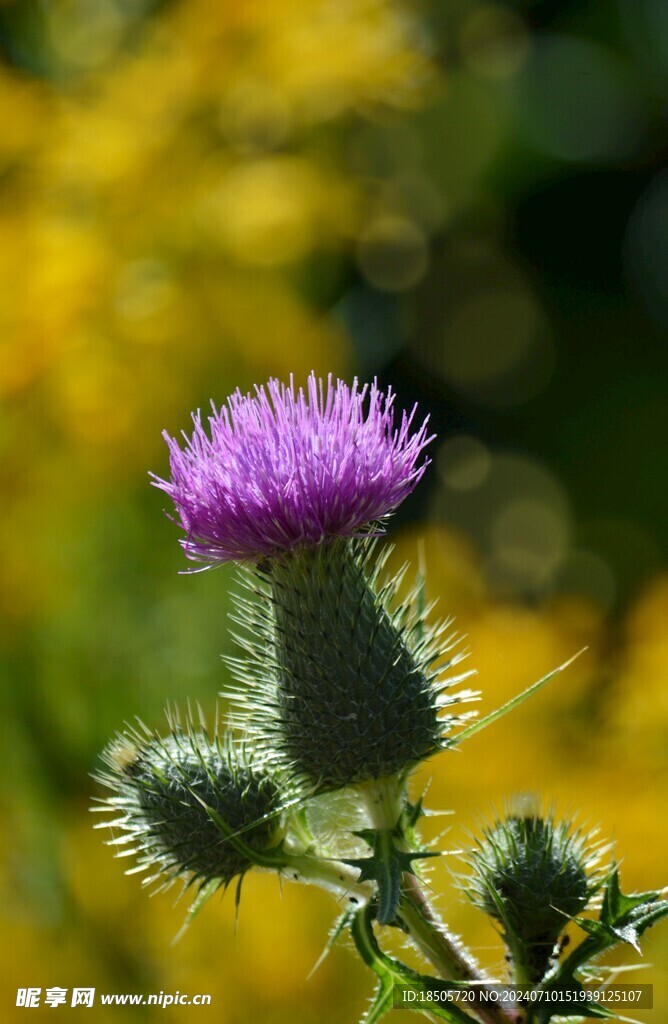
(181, 798)
(339, 690)
(532, 875)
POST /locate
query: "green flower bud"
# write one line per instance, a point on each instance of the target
(345, 684)
(532, 876)
(188, 806)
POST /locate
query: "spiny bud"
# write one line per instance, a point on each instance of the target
(531, 875)
(188, 806)
(344, 685)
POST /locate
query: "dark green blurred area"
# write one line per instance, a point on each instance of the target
(468, 200)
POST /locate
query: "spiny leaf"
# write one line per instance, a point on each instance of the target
(386, 867)
(413, 812)
(624, 918)
(510, 705)
(382, 1001)
(390, 972)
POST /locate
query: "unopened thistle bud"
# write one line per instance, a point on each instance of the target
(531, 875)
(187, 806)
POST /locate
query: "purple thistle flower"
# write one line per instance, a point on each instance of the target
(283, 468)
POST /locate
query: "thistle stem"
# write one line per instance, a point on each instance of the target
(444, 950)
(332, 875)
(384, 801)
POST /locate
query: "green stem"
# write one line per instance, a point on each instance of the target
(587, 950)
(384, 800)
(444, 950)
(390, 972)
(332, 875)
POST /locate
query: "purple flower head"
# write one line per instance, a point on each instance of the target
(283, 468)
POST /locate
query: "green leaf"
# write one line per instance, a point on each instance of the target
(382, 1001)
(626, 918)
(623, 918)
(412, 813)
(510, 705)
(386, 867)
(390, 972)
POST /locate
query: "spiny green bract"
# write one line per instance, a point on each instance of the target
(532, 876)
(340, 683)
(180, 798)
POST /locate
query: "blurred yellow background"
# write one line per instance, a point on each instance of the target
(195, 196)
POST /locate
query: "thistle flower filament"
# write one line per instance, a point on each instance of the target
(287, 467)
